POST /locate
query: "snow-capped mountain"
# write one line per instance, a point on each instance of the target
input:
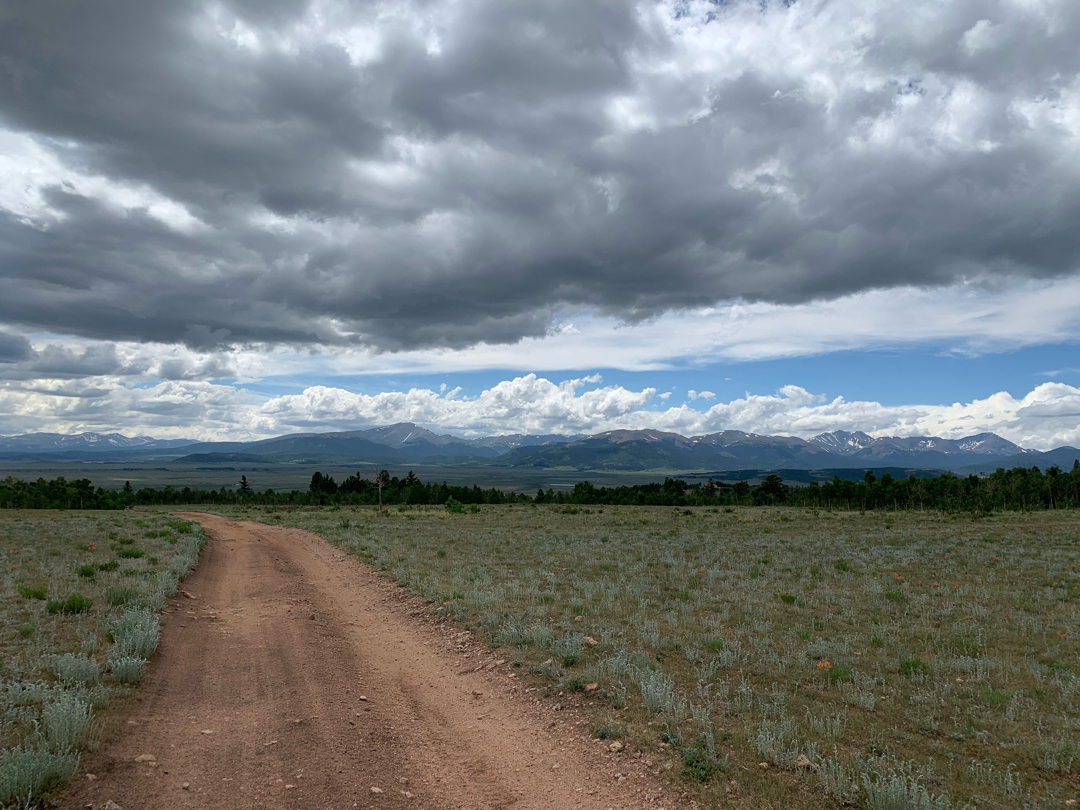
(843, 442)
(907, 449)
(83, 442)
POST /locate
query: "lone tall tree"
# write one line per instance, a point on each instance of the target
(382, 481)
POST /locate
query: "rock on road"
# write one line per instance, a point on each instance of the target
(291, 676)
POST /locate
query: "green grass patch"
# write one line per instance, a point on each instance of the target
(75, 603)
(914, 668)
(117, 595)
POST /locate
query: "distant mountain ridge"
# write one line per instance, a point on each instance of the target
(402, 443)
(901, 451)
(100, 442)
(616, 450)
(637, 450)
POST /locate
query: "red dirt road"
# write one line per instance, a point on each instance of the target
(297, 678)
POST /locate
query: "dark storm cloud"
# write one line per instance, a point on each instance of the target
(14, 348)
(20, 361)
(458, 173)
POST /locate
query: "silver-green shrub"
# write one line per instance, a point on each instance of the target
(777, 742)
(126, 668)
(67, 722)
(135, 634)
(541, 634)
(569, 646)
(838, 780)
(512, 633)
(75, 669)
(659, 694)
(29, 776)
(26, 693)
(897, 791)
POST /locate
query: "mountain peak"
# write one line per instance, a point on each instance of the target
(647, 435)
(843, 442)
(402, 433)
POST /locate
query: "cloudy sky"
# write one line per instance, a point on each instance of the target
(237, 219)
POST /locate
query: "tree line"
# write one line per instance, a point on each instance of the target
(1017, 489)
(1020, 488)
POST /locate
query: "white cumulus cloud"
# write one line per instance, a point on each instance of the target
(1047, 416)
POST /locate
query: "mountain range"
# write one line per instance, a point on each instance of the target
(617, 450)
(52, 443)
(734, 449)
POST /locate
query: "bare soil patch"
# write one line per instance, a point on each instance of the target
(289, 675)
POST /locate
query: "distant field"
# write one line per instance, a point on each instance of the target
(291, 476)
(79, 598)
(915, 660)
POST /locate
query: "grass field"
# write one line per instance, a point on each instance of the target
(915, 660)
(79, 601)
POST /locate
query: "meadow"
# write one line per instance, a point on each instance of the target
(772, 657)
(79, 599)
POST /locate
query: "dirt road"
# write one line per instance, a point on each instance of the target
(296, 678)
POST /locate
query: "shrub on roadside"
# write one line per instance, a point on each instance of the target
(135, 634)
(29, 777)
(126, 669)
